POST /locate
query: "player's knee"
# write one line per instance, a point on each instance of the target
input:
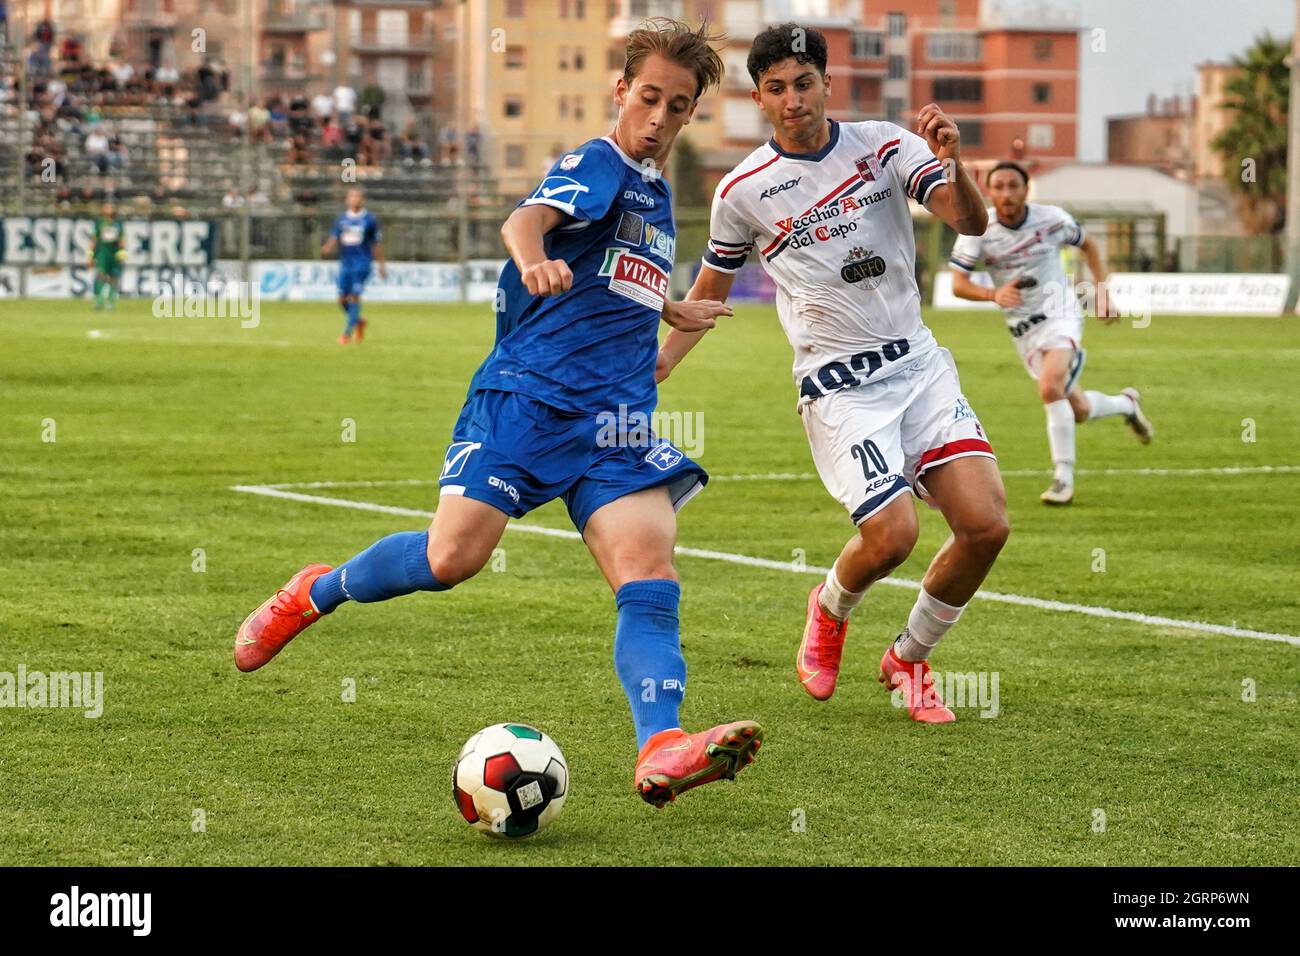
(985, 535)
(1051, 391)
(451, 564)
(1081, 413)
(891, 542)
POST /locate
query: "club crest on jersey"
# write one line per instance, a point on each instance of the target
(869, 168)
(635, 277)
(862, 265)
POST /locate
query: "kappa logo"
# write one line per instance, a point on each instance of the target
(457, 454)
(773, 190)
(664, 456)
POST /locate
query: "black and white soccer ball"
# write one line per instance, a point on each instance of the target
(510, 780)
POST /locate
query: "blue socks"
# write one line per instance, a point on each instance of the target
(392, 566)
(353, 310)
(648, 654)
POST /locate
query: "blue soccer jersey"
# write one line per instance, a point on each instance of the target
(356, 234)
(594, 347)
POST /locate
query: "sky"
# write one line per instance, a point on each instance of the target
(1153, 46)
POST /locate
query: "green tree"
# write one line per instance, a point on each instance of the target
(1253, 146)
(688, 175)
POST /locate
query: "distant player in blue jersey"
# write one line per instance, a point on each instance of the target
(359, 242)
(577, 341)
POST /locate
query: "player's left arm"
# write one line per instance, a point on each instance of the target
(379, 258)
(957, 201)
(1097, 268)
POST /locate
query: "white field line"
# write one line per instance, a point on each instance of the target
(810, 476)
(1201, 627)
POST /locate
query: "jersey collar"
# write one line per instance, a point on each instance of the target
(651, 173)
(1023, 217)
(813, 157)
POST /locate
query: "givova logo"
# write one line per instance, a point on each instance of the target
(74, 908)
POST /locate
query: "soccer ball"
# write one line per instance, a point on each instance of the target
(510, 780)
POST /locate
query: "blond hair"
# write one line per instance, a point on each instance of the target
(676, 42)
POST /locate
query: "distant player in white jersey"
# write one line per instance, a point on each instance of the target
(826, 206)
(1022, 252)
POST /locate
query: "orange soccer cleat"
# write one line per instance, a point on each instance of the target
(361, 329)
(924, 705)
(818, 660)
(282, 617)
(673, 761)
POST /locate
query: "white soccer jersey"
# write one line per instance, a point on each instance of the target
(834, 231)
(1030, 250)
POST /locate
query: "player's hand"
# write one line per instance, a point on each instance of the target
(940, 132)
(697, 315)
(663, 367)
(383, 270)
(1007, 296)
(548, 277)
(121, 255)
(1105, 311)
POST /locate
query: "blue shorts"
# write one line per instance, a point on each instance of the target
(353, 280)
(516, 453)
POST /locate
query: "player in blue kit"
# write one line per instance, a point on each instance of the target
(359, 242)
(577, 338)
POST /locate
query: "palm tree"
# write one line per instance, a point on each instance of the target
(1257, 95)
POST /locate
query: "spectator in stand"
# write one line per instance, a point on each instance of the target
(473, 144)
(232, 199)
(259, 123)
(117, 152)
(379, 142)
(96, 147)
(353, 134)
(331, 140)
(448, 145)
(279, 118)
(410, 147)
(322, 106)
(345, 103)
(301, 122)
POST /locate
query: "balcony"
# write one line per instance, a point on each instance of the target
(1041, 15)
(292, 16)
(632, 12)
(415, 44)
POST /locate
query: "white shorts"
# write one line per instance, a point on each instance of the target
(1053, 334)
(871, 443)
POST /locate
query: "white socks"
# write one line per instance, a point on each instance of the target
(926, 625)
(1102, 405)
(1060, 438)
(836, 600)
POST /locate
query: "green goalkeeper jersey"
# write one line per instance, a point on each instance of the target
(107, 245)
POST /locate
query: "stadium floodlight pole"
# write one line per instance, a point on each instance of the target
(466, 174)
(20, 156)
(245, 151)
(1293, 168)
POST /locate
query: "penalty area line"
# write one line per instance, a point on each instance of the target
(1042, 604)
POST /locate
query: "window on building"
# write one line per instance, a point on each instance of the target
(579, 110)
(515, 57)
(867, 45)
(512, 107)
(417, 77)
(954, 47)
(579, 59)
(1043, 48)
(898, 24)
(893, 108)
(961, 89)
(514, 10)
(897, 67)
(515, 156)
(1041, 135)
(562, 107)
(972, 132)
(1042, 92)
(616, 59)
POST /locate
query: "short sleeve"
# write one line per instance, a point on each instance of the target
(335, 230)
(918, 169)
(1071, 231)
(582, 185)
(376, 234)
(730, 237)
(966, 253)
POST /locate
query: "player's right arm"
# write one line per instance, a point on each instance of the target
(964, 257)
(332, 242)
(524, 233)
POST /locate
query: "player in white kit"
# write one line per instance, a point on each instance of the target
(826, 206)
(1022, 252)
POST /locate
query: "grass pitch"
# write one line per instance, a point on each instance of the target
(1185, 741)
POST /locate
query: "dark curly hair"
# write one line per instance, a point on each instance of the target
(782, 41)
